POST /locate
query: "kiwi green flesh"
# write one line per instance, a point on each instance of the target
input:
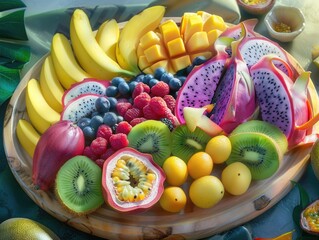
(266, 128)
(152, 137)
(186, 143)
(79, 186)
(257, 151)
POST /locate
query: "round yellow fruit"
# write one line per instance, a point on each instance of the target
(173, 199)
(175, 170)
(219, 148)
(207, 191)
(200, 164)
(236, 178)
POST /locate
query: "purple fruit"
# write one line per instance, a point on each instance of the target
(235, 31)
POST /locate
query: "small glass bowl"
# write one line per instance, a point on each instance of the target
(291, 16)
(258, 8)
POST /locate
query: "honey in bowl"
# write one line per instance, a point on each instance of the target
(282, 27)
(254, 2)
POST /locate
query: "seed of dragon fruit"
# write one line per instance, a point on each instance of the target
(234, 99)
(282, 101)
(89, 85)
(235, 31)
(200, 85)
(79, 107)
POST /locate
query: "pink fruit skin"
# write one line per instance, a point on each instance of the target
(235, 31)
(59, 143)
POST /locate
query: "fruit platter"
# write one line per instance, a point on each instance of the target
(181, 128)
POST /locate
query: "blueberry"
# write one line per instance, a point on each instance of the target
(119, 119)
(159, 72)
(147, 78)
(95, 113)
(116, 81)
(89, 133)
(123, 88)
(182, 79)
(139, 78)
(166, 77)
(153, 82)
(175, 84)
(96, 121)
(132, 85)
(111, 91)
(113, 102)
(110, 119)
(199, 60)
(189, 69)
(83, 122)
(102, 104)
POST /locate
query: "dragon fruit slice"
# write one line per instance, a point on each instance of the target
(79, 107)
(86, 86)
(235, 31)
(234, 98)
(282, 101)
(200, 85)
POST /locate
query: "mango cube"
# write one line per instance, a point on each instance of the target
(181, 62)
(155, 53)
(214, 22)
(176, 47)
(169, 30)
(213, 35)
(142, 62)
(149, 39)
(197, 42)
(184, 21)
(194, 24)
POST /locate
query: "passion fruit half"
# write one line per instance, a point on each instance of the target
(309, 219)
(132, 181)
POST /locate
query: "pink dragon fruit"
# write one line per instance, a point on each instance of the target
(282, 101)
(235, 31)
(234, 99)
(200, 85)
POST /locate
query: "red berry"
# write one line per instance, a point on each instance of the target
(100, 162)
(98, 146)
(122, 107)
(139, 88)
(89, 153)
(160, 89)
(169, 115)
(104, 131)
(132, 113)
(136, 121)
(118, 141)
(123, 127)
(158, 105)
(107, 153)
(142, 100)
(170, 102)
(149, 113)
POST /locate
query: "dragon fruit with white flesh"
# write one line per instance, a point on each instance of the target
(235, 31)
(234, 99)
(282, 101)
(87, 86)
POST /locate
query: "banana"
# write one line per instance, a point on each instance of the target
(50, 85)
(41, 115)
(27, 136)
(66, 67)
(88, 52)
(107, 37)
(148, 20)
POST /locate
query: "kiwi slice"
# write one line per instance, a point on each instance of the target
(79, 186)
(266, 128)
(186, 143)
(151, 137)
(257, 151)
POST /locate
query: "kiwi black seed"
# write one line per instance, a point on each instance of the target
(186, 143)
(266, 128)
(79, 186)
(151, 137)
(257, 151)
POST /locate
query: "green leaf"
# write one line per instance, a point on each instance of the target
(12, 26)
(10, 4)
(15, 52)
(9, 80)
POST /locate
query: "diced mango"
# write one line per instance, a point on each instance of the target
(140, 50)
(194, 24)
(214, 22)
(204, 15)
(169, 30)
(164, 64)
(142, 62)
(197, 42)
(207, 55)
(155, 53)
(149, 39)
(213, 35)
(181, 62)
(176, 47)
(184, 21)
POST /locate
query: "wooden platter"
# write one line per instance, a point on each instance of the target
(192, 223)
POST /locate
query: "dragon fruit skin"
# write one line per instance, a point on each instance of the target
(235, 31)
(282, 101)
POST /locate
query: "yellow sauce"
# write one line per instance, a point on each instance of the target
(282, 27)
(254, 2)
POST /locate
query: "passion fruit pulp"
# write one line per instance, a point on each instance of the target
(309, 219)
(132, 181)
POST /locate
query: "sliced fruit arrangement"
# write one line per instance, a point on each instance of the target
(144, 115)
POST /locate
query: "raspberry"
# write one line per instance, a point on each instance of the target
(123, 127)
(107, 153)
(118, 141)
(100, 162)
(122, 107)
(170, 102)
(98, 146)
(158, 105)
(160, 89)
(136, 121)
(142, 100)
(132, 113)
(104, 131)
(149, 113)
(89, 153)
(169, 115)
(139, 88)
